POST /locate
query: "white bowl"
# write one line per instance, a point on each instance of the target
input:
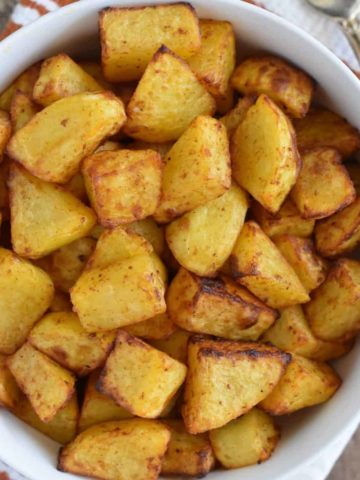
(74, 29)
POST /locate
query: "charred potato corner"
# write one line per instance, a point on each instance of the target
(176, 239)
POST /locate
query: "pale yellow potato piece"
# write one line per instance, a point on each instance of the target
(44, 217)
(286, 85)
(153, 233)
(264, 156)
(76, 186)
(95, 452)
(10, 393)
(197, 169)
(61, 337)
(60, 302)
(187, 454)
(24, 83)
(334, 309)
(5, 131)
(235, 116)
(215, 60)
(258, 265)
(46, 384)
(155, 114)
(53, 143)
(121, 294)
(226, 379)
(157, 328)
(323, 128)
(217, 307)
(304, 384)
(202, 239)
(175, 26)
(140, 378)
(22, 110)
(175, 346)
(26, 293)
(248, 440)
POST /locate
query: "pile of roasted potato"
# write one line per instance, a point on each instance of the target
(175, 240)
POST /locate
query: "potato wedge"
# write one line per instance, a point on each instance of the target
(258, 265)
(264, 156)
(52, 145)
(149, 229)
(10, 393)
(60, 217)
(60, 302)
(22, 110)
(304, 384)
(175, 346)
(334, 310)
(155, 377)
(95, 452)
(233, 118)
(202, 239)
(217, 307)
(157, 328)
(187, 454)
(47, 385)
(226, 379)
(25, 83)
(248, 440)
(158, 115)
(5, 131)
(286, 85)
(200, 157)
(26, 294)
(175, 25)
(76, 186)
(323, 128)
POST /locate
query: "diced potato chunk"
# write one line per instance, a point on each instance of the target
(161, 148)
(175, 346)
(60, 303)
(5, 131)
(22, 110)
(24, 83)
(9, 391)
(233, 118)
(225, 104)
(157, 328)
(148, 229)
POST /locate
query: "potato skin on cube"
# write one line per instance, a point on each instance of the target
(9, 391)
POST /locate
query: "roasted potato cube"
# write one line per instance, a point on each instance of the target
(291, 88)
(5, 131)
(226, 379)
(187, 454)
(258, 265)
(160, 115)
(26, 294)
(286, 220)
(173, 25)
(22, 110)
(53, 143)
(323, 186)
(323, 128)
(304, 384)
(76, 186)
(109, 146)
(301, 256)
(60, 217)
(248, 440)
(202, 239)
(95, 452)
(9, 391)
(161, 148)
(334, 310)
(264, 156)
(200, 157)
(233, 118)
(154, 379)
(225, 104)
(175, 346)
(214, 306)
(354, 172)
(215, 61)
(121, 294)
(60, 302)
(61, 337)
(157, 328)
(47, 385)
(25, 83)
(152, 232)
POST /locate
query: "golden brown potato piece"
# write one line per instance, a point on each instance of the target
(217, 307)
(76, 186)
(4, 193)
(175, 26)
(52, 145)
(233, 118)
(94, 69)
(22, 110)
(26, 294)
(334, 310)
(157, 328)
(202, 239)
(47, 385)
(304, 384)
(248, 440)
(258, 265)
(161, 148)
(125, 185)
(226, 379)
(9, 391)
(175, 346)
(339, 233)
(199, 158)
(60, 217)
(25, 83)
(187, 454)
(109, 146)
(140, 378)
(5, 131)
(286, 220)
(61, 77)
(152, 232)
(354, 172)
(61, 337)
(161, 115)
(214, 62)
(60, 302)
(264, 156)
(226, 103)
(301, 256)
(323, 186)
(323, 128)
(291, 88)
(95, 452)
